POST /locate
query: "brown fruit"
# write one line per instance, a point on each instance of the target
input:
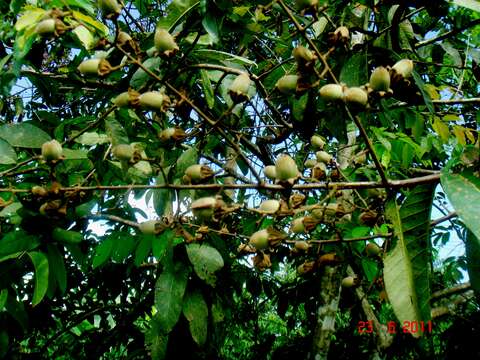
(52, 150)
(39, 191)
(319, 171)
(287, 84)
(302, 245)
(331, 92)
(380, 79)
(171, 134)
(123, 152)
(306, 267)
(164, 42)
(368, 217)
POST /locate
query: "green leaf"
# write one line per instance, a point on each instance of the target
(29, 18)
(101, 29)
(472, 250)
(162, 198)
(223, 56)
(85, 36)
(11, 209)
(23, 135)
(355, 70)
(195, 310)
(143, 249)
(469, 4)
(463, 191)
(407, 265)
(176, 12)
(206, 260)
(92, 138)
(17, 310)
(7, 153)
(124, 245)
(169, 290)
(3, 298)
(156, 340)
(209, 23)
(116, 132)
(140, 77)
(207, 89)
(40, 263)
(67, 236)
(17, 241)
(426, 96)
(102, 252)
(161, 243)
(57, 267)
(189, 157)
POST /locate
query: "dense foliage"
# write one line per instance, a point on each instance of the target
(239, 179)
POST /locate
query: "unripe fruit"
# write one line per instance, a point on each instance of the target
(199, 172)
(127, 98)
(164, 42)
(302, 245)
(350, 281)
(317, 142)
(45, 27)
(380, 79)
(203, 208)
(331, 92)
(323, 156)
(39, 191)
(270, 172)
(269, 206)
(319, 171)
(404, 68)
(372, 249)
(342, 33)
(52, 150)
(303, 56)
(154, 100)
(304, 4)
(239, 88)
(356, 96)
(99, 67)
(172, 134)
(123, 152)
(297, 226)
(123, 38)
(110, 7)
(287, 84)
(259, 239)
(148, 227)
(286, 168)
(310, 163)
(306, 267)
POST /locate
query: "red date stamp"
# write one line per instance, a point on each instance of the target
(407, 327)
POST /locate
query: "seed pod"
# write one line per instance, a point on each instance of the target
(262, 261)
(99, 67)
(319, 171)
(403, 68)
(39, 191)
(310, 223)
(127, 98)
(305, 4)
(164, 42)
(304, 57)
(270, 172)
(203, 208)
(171, 134)
(310, 163)
(317, 142)
(154, 100)
(368, 217)
(323, 156)
(331, 92)
(360, 158)
(110, 8)
(45, 27)
(372, 249)
(259, 239)
(306, 267)
(239, 88)
(52, 150)
(297, 226)
(148, 227)
(296, 200)
(123, 152)
(356, 96)
(123, 38)
(380, 79)
(287, 84)
(286, 168)
(269, 206)
(198, 173)
(340, 36)
(302, 245)
(350, 281)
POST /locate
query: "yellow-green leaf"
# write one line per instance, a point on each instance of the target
(441, 129)
(87, 20)
(85, 36)
(40, 263)
(29, 18)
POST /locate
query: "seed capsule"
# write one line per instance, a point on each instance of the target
(323, 156)
(164, 42)
(403, 68)
(127, 98)
(259, 239)
(269, 206)
(319, 171)
(123, 152)
(110, 8)
(331, 92)
(356, 96)
(287, 84)
(39, 191)
(368, 217)
(154, 100)
(45, 27)
(171, 134)
(52, 150)
(350, 281)
(297, 226)
(310, 163)
(372, 249)
(286, 168)
(239, 88)
(317, 142)
(148, 227)
(203, 208)
(99, 67)
(198, 173)
(270, 172)
(302, 245)
(380, 79)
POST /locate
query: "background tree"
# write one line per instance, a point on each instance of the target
(290, 154)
